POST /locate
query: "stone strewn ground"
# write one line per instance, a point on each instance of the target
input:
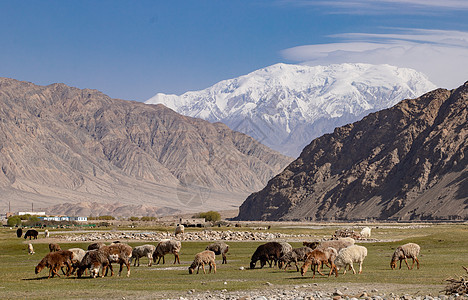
(316, 292)
(207, 235)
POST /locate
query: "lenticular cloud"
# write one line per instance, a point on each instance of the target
(441, 55)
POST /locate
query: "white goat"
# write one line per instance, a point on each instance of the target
(352, 254)
(31, 249)
(365, 232)
(140, 251)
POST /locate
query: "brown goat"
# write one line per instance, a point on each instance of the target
(54, 261)
(54, 247)
(318, 257)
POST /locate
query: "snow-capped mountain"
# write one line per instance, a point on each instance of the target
(286, 106)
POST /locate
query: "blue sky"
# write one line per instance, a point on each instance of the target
(135, 49)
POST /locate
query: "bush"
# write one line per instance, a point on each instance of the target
(106, 218)
(133, 219)
(210, 216)
(14, 220)
(147, 219)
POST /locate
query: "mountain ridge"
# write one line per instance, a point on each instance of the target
(64, 144)
(286, 106)
(408, 162)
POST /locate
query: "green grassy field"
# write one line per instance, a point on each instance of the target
(444, 249)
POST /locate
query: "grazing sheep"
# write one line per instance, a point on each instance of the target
(317, 258)
(46, 233)
(140, 251)
(94, 260)
(265, 253)
(293, 256)
(337, 244)
(202, 258)
(78, 255)
(95, 246)
(179, 229)
(167, 246)
(119, 253)
(365, 232)
(410, 250)
(219, 248)
(31, 249)
(19, 232)
(54, 247)
(347, 256)
(31, 233)
(54, 261)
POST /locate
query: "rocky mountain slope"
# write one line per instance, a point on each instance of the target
(62, 144)
(408, 162)
(287, 106)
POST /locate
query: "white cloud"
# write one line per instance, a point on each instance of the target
(382, 6)
(442, 55)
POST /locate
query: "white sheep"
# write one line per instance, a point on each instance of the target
(141, 251)
(46, 233)
(78, 254)
(352, 254)
(365, 232)
(167, 246)
(179, 229)
(202, 258)
(31, 249)
(410, 250)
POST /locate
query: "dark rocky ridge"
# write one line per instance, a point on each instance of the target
(408, 162)
(62, 144)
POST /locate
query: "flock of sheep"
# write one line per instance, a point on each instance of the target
(336, 254)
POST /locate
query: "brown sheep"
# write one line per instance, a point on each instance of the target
(95, 246)
(54, 247)
(318, 257)
(54, 261)
(94, 259)
(167, 246)
(293, 256)
(119, 253)
(202, 258)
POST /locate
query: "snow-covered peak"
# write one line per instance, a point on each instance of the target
(286, 106)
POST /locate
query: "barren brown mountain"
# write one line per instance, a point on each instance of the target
(408, 162)
(60, 144)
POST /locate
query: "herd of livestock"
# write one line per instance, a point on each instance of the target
(337, 254)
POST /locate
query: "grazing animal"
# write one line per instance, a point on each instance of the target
(293, 256)
(54, 261)
(317, 258)
(31, 249)
(410, 250)
(167, 246)
(202, 258)
(347, 256)
(365, 232)
(19, 232)
(219, 248)
(140, 251)
(265, 253)
(119, 253)
(179, 229)
(78, 255)
(94, 260)
(31, 233)
(54, 247)
(46, 233)
(95, 246)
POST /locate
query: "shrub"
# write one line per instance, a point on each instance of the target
(133, 219)
(14, 220)
(211, 216)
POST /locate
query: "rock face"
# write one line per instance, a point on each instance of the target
(62, 144)
(287, 106)
(408, 162)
